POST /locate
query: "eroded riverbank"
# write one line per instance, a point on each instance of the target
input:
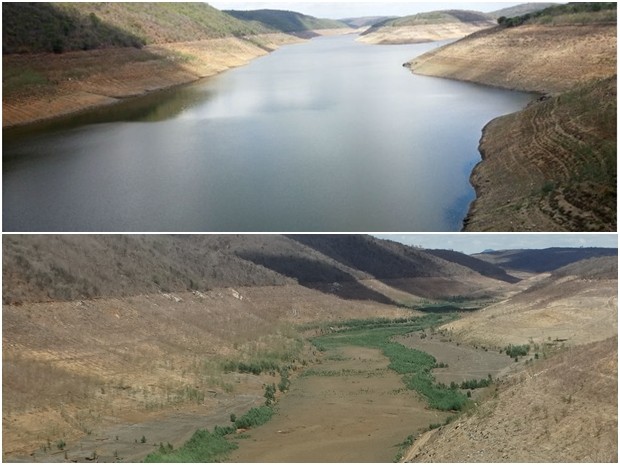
(550, 167)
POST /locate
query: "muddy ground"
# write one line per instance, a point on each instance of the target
(356, 408)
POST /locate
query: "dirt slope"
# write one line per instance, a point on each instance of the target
(74, 368)
(558, 173)
(576, 304)
(562, 409)
(426, 27)
(533, 58)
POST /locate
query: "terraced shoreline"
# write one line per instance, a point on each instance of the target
(552, 166)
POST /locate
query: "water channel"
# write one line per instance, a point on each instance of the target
(328, 135)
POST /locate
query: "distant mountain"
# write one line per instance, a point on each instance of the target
(59, 27)
(70, 267)
(365, 21)
(519, 10)
(285, 21)
(427, 27)
(544, 260)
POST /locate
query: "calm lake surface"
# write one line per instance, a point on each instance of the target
(329, 135)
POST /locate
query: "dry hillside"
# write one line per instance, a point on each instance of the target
(562, 409)
(426, 27)
(558, 171)
(61, 58)
(575, 304)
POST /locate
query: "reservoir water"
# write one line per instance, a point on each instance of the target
(328, 135)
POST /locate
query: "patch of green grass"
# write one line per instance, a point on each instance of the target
(203, 446)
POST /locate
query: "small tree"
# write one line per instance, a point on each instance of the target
(270, 394)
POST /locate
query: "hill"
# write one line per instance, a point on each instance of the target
(285, 21)
(575, 304)
(364, 21)
(66, 267)
(62, 58)
(60, 27)
(559, 171)
(426, 27)
(543, 260)
(519, 10)
(562, 409)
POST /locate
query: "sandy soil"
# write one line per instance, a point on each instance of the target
(562, 409)
(422, 33)
(574, 310)
(544, 59)
(359, 416)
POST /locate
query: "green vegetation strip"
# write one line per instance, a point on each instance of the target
(414, 365)
(206, 446)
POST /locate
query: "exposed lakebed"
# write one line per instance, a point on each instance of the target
(329, 135)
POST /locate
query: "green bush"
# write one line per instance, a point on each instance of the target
(515, 351)
(203, 446)
(255, 417)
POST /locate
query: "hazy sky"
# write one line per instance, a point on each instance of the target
(349, 9)
(473, 243)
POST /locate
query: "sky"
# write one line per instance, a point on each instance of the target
(353, 9)
(473, 243)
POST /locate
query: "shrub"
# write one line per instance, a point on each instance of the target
(515, 351)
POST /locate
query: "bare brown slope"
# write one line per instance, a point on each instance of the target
(42, 86)
(551, 167)
(71, 267)
(563, 409)
(426, 27)
(545, 59)
(576, 304)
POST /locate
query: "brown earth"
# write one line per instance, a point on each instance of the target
(76, 369)
(532, 58)
(562, 409)
(571, 309)
(352, 409)
(558, 173)
(74, 81)
(422, 33)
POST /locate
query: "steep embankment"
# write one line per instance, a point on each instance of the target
(551, 167)
(63, 58)
(562, 409)
(426, 27)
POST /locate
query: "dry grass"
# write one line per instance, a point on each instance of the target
(149, 354)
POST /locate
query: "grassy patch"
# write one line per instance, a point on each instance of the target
(414, 365)
(203, 446)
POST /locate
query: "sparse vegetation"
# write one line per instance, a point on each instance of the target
(571, 13)
(415, 366)
(514, 351)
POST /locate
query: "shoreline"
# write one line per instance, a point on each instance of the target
(75, 82)
(533, 184)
